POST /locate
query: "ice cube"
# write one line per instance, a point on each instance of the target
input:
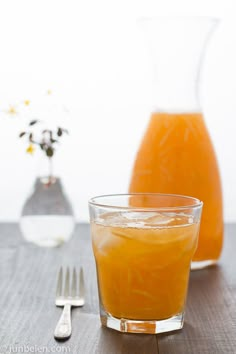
(160, 220)
(124, 219)
(132, 215)
(136, 219)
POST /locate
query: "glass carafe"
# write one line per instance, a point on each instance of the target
(176, 154)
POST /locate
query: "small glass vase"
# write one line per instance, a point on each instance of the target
(47, 216)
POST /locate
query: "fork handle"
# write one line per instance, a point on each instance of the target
(63, 328)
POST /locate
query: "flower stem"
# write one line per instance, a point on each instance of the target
(50, 170)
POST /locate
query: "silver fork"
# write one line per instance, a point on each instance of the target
(68, 297)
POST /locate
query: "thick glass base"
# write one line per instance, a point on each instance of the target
(146, 327)
(195, 265)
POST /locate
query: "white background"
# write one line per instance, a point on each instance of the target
(91, 56)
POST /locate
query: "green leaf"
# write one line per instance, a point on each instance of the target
(33, 122)
(42, 146)
(49, 151)
(53, 141)
(22, 134)
(59, 132)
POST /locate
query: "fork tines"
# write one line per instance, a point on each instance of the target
(70, 291)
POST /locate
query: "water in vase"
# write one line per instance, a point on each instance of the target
(47, 230)
(47, 217)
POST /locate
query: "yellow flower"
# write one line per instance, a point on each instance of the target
(12, 110)
(49, 92)
(26, 102)
(30, 149)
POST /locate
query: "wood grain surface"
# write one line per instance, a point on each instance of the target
(28, 315)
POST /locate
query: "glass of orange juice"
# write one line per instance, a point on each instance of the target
(143, 246)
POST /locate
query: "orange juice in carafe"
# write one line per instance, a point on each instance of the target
(177, 156)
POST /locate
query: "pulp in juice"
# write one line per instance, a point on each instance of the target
(143, 264)
(177, 156)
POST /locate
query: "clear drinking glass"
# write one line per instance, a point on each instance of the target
(143, 245)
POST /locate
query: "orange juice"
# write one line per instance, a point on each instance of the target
(143, 268)
(177, 156)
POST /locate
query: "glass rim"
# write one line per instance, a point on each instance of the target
(95, 202)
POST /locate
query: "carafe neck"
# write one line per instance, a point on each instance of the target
(177, 46)
(176, 97)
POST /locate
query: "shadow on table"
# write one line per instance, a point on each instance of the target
(205, 304)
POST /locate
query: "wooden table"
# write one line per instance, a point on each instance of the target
(28, 315)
